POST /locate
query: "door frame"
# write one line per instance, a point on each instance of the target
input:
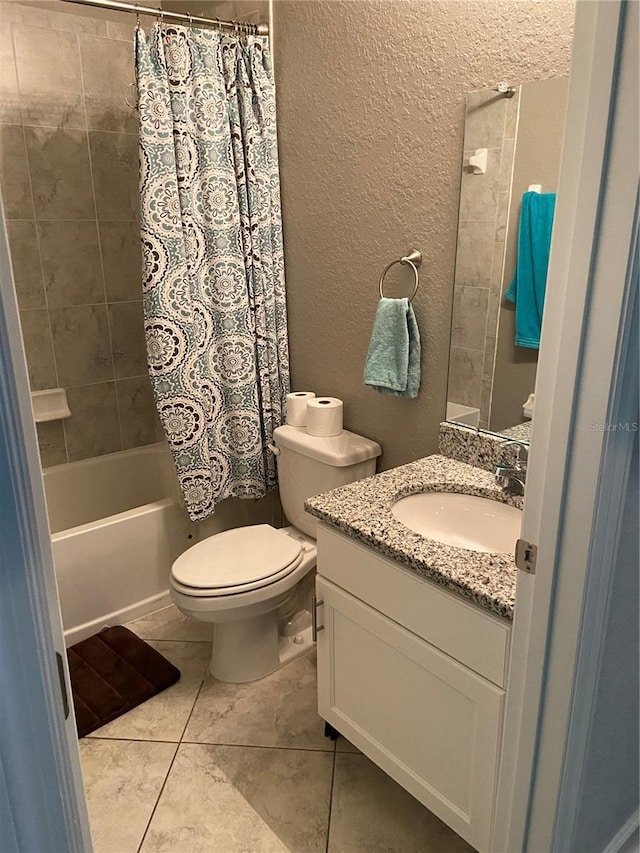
(582, 358)
(42, 802)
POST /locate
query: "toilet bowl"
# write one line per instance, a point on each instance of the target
(241, 580)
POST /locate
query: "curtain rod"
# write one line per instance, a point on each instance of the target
(137, 9)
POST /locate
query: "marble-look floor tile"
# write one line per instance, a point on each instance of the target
(170, 624)
(164, 716)
(344, 745)
(370, 812)
(122, 781)
(280, 710)
(240, 799)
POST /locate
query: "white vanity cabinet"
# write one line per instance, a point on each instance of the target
(415, 677)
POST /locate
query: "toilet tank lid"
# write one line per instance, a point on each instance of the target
(337, 450)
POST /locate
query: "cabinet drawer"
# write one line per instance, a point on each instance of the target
(464, 631)
(426, 720)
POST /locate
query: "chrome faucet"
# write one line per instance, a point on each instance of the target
(513, 477)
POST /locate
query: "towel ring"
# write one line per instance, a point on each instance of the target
(413, 259)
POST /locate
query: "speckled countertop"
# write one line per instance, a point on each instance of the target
(362, 510)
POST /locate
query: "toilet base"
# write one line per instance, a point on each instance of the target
(252, 649)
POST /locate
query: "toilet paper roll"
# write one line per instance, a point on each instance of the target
(297, 407)
(324, 416)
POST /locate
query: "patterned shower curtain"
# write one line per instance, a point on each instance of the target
(214, 296)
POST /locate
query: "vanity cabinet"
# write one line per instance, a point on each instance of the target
(415, 677)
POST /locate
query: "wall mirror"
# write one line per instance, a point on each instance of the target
(512, 146)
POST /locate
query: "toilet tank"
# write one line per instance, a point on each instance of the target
(309, 465)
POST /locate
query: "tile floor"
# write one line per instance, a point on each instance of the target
(221, 768)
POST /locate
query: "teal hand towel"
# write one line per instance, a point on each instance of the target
(393, 360)
(529, 283)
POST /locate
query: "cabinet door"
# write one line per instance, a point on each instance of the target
(426, 720)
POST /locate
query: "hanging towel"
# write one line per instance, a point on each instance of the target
(529, 281)
(393, 361)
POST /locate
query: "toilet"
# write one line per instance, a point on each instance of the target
(243, 579)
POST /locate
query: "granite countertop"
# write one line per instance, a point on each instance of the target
(362, 510)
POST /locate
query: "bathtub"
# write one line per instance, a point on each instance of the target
(116, 527)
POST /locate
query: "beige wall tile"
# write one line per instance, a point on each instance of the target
(474, 253)
(60, 174)
(465, 376)
(25, 260)
(51, 442)
(138, 414)
(122, 260)
(14, 173)
(469, 317)
(71, 263)
(39, 351)
(49, 76)
(9, 97)
(114, 158)
(479, 193)
(127, 339)
(107, 69)
(81, 344)
(485, 116)
(93, 427)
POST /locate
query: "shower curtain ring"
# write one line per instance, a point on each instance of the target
(190, 19)
(137, 5)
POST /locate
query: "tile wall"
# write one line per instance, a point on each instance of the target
(69, 181)
(491, 123)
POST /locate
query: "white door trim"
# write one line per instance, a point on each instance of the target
(41, 794)
(579, 357)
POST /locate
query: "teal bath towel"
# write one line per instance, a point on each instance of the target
(393, 361)
(527, 289)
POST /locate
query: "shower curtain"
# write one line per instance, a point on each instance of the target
(213, 266)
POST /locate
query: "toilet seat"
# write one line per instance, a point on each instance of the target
(236, 561)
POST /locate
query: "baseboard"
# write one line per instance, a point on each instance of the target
(117, 617)
(626, 838)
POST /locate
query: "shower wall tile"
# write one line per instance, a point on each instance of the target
(122, 260)
(479, 193)
(49, 76)
(105, 93)
(60, 173)
(93, 428)
(82, 230)
(137, 410)
(81, 344)
(469, 317)
(37, 343)
(114, 158)
(501, 217)
(14, 173)
(53, 450)
(491, 123)
(127, 339)
(71, 263)
(474, 253)
(25, 260)
(485, 117)
(9, 99)
(465, 376)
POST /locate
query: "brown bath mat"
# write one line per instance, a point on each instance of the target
(111, 673)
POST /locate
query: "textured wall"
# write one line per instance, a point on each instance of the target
(371, 112)
(69, 181)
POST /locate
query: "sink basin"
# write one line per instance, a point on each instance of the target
(465, 521)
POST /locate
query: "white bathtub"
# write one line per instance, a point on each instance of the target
(116, 527)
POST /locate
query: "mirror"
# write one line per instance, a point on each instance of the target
(512, 145)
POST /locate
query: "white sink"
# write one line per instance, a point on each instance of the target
(465, 521)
